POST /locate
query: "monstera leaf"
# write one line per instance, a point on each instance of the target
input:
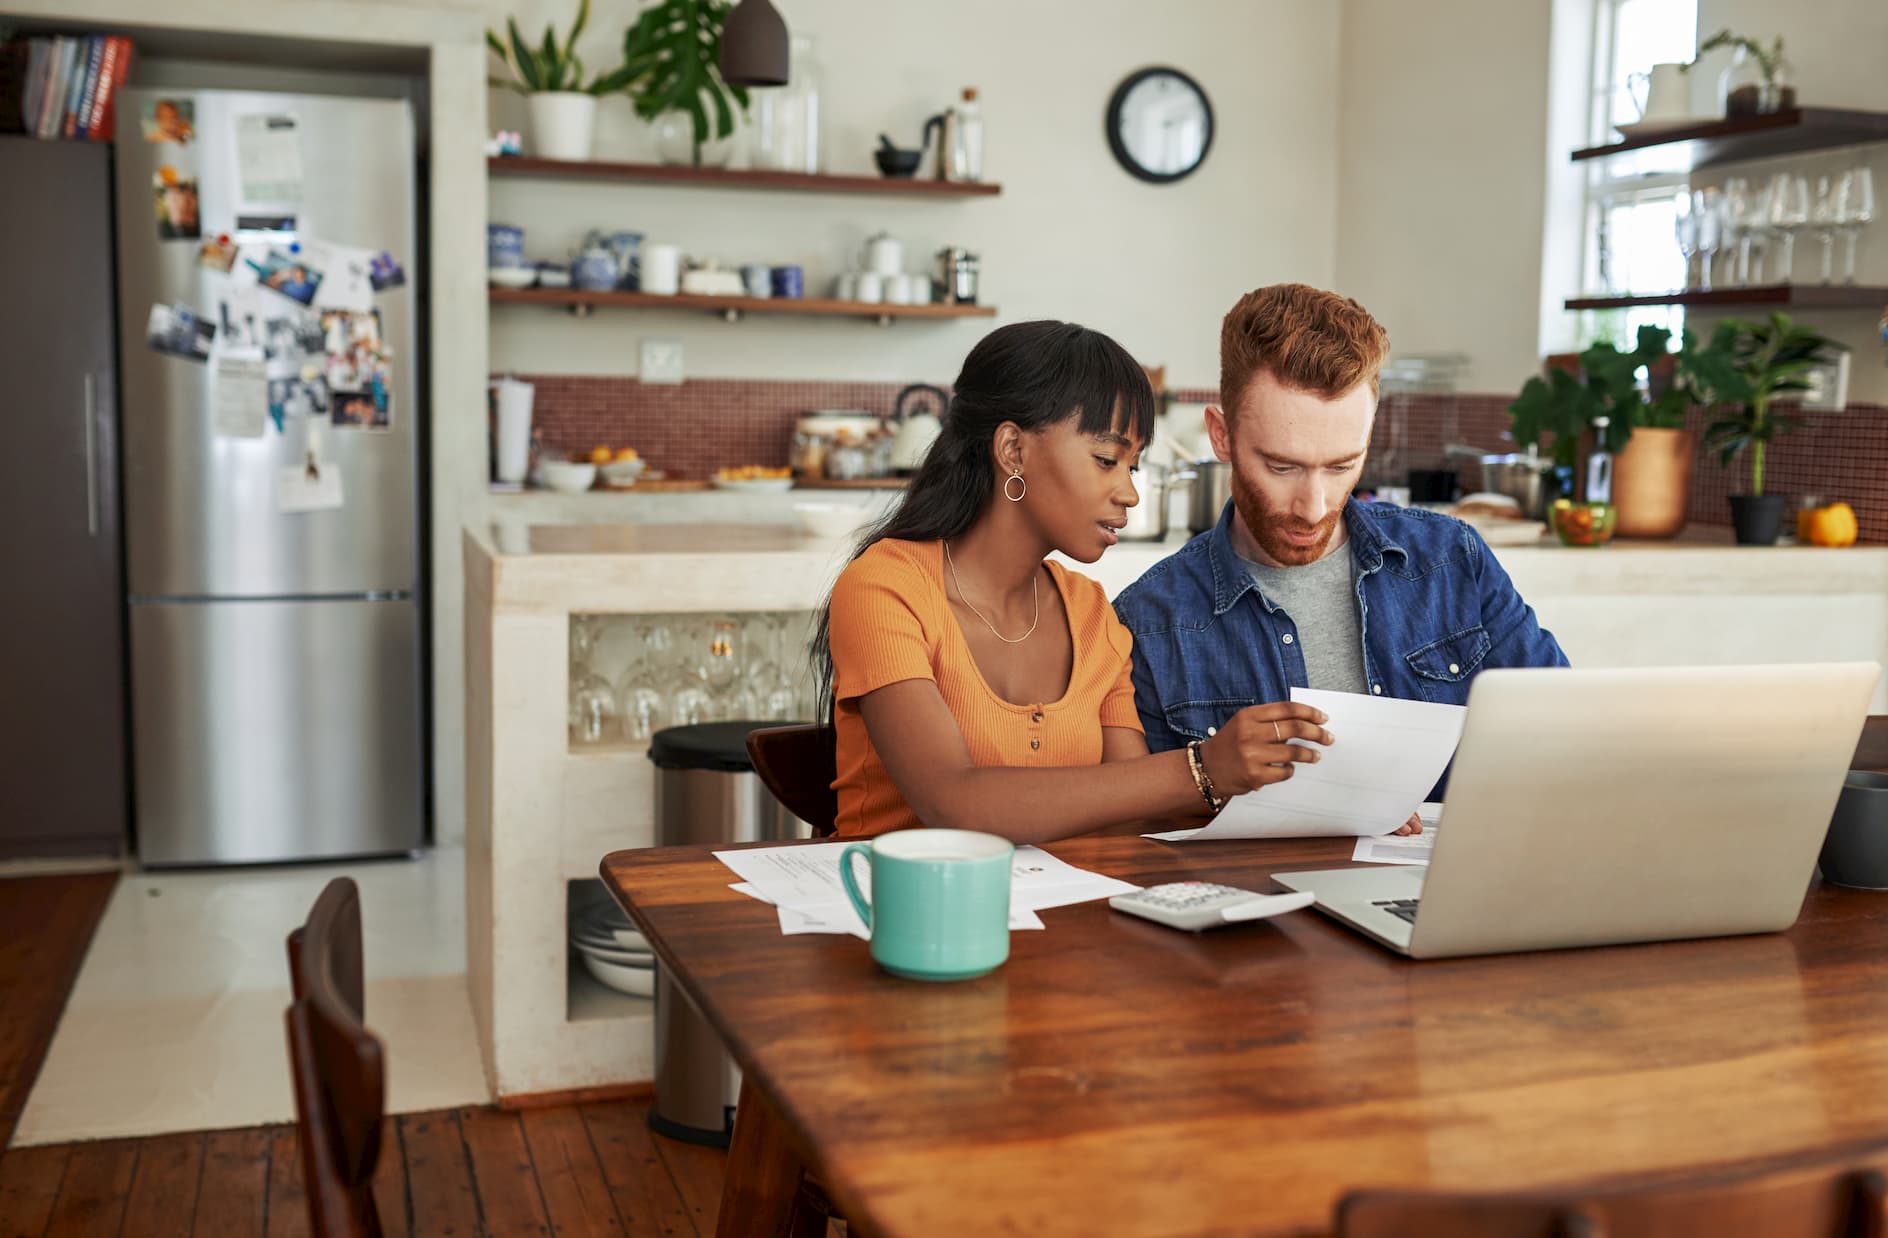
(670, 56)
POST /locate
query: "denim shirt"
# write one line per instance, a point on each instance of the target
(1433, 608)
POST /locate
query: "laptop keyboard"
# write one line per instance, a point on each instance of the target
(1401, 908)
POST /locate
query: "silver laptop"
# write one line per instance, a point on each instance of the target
(1595, 807)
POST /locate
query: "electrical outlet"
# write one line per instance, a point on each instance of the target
(662, 361)
(1828, 389)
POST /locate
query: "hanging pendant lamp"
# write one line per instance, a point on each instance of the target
(754, 45)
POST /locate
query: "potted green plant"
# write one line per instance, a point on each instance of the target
(671, 55)
(1768, 359)
(1652, 474)
(551, 78)
(1758, 78)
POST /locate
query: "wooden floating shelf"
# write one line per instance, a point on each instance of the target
(1789, 132)
(736, 178)
(1798, 296)
(732, 307)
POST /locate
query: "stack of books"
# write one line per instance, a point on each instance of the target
(63, 86)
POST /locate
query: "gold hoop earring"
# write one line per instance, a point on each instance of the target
(1015, 498)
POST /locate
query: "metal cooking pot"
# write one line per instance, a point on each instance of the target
(1523, 478)
(1211, 487)
(1147, 520)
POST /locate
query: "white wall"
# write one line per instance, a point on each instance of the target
(1441, 174)
(1072, 236)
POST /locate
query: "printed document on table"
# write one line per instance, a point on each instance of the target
(1402, 848)
(841, 918)
(1385, 756)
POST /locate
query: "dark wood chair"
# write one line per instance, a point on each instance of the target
(338, 1065)
(798, 764)
(1817, 1197)
(1871, 752)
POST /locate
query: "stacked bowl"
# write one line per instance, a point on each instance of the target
(613, 951)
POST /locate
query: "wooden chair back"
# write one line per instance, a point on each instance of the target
(1871, 751)
(798, 763)
(338, 1066)
(1840, 1197)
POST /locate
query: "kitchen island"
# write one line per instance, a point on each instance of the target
(544, 808)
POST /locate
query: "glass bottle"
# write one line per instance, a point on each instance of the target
(1599, 465)
(1743, 90)
(967, 139)
(787, 118)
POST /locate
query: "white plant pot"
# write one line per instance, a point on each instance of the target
(562, 124)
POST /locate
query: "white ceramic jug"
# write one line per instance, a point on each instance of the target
(1663, 96)
(885, 255)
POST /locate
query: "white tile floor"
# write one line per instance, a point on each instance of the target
(175, 1023)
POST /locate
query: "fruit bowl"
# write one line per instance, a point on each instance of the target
(623, 472)
(1584, 524)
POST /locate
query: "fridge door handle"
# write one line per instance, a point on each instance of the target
(91, 456)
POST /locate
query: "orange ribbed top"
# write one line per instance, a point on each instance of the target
(892, 621)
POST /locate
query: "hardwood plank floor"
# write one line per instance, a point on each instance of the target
(46, 925)
(574, 1171)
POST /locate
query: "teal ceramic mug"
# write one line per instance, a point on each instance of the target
(940, 905)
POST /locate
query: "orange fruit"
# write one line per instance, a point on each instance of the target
(626, 453)
(600, 455)
(1833, 525)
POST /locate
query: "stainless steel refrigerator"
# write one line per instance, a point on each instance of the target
(276, 656)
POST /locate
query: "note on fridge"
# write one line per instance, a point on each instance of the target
(240, 393)
(1385, 757)
(309, 487)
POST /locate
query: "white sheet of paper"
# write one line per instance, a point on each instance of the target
(296, 491)
(803, 885)
(345, 279)
(1385, 757)
(239, 404)
(269, 158)
(1402, 849)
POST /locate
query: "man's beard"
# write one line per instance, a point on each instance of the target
(1268, 527)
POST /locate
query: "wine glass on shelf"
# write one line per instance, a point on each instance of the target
(1685, 227)
(1787, 211)
(1737, 229)
(638, 699)
(592, 715)
(1855, 210)
(1710, 210)
(1822, 214)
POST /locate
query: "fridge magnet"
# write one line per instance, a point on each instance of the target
(169, 120)
(176, 196)
(176, 329)
(287, 274)
(356, 357)
(383, 272)
(269, 158)
(240, 393)
(363, 410)
(345, 284)
(311, 486)
(218, 253)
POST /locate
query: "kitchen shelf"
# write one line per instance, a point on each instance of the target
(1790, 132)
(1796, 296)
(732, 307)
(736, 178)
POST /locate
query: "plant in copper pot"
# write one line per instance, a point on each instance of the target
(1768, 359)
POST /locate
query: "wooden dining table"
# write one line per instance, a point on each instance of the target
(1119, 1077)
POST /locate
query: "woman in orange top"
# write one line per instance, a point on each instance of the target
(974, 685)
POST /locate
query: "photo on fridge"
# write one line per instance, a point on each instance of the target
(286, 274)
(176, 196)
(177, 330)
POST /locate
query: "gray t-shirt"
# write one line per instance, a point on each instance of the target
(1321, 599)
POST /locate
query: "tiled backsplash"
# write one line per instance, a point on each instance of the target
(692, 429)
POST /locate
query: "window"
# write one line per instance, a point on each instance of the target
(1631, 201)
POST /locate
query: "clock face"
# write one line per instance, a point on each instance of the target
(1160, 125)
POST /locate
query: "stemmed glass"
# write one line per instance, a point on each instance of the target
(637, 696)
(1737, 228)
(1855, 210)
(1685, 225)
(1823, 215)
(592, 714)
(1787, 202)
(1710, 212)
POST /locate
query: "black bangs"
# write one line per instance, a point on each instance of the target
(1111, 391)
(1062, 370)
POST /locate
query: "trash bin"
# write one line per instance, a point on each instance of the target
(706, 792)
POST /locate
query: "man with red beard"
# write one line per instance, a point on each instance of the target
(1299, 585)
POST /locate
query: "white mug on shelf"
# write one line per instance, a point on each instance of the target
(884, 255)
(846, 286)
(661, 270)
(898, 289)
(871, 287)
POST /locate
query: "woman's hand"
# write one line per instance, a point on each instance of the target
(1253, 750)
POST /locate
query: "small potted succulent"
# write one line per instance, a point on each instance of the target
(1758, 78)
(1768, 359)
(550, 76)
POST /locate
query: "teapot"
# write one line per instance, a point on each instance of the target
(916, 431)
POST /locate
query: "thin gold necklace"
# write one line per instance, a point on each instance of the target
(1034, 594)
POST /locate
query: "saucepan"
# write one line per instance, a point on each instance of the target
(1211, 482)
(1147, 520)
(1522, 477)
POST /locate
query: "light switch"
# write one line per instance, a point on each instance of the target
(1828, 389)
(662, 361)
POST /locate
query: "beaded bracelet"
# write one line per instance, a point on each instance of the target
(1201, 779)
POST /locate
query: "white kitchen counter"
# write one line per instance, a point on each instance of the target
(543, 812)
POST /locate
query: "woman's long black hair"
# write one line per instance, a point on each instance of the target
(1036, 374)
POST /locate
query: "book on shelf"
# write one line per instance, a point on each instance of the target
(63, 86)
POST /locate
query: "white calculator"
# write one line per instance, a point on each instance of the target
(1197, 905)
